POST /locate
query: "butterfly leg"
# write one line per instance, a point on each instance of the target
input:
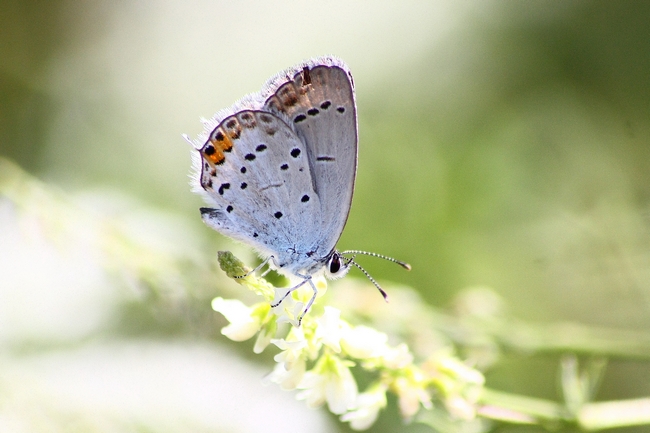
(307, 279)
(257, 268)
(311, 301)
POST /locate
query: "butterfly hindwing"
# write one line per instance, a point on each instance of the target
(256, 171)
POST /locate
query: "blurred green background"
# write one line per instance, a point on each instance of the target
(503, 144)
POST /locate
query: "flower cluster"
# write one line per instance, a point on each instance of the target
(317, 358)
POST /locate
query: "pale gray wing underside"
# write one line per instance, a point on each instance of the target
(319, 103)
(256, 171)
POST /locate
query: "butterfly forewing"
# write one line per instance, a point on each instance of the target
(319, 103)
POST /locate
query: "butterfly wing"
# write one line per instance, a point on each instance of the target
(256, 173)
(317, 100)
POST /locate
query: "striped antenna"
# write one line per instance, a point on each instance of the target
(380, 256)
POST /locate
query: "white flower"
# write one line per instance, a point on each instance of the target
(288, 310)
(314, 386)
(342, 391)
(330, 380)
(397, 357)
(362, 342)
(411, 394)
(291, 361)
(264, 337)
(328, 329)
(367, 408)
(459, 385)
(460, 408)
(288, 379)
(292, 348)
(243, 323)
(459, 371)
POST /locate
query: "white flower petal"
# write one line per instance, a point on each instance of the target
(232, 309)
(410, 398)
(288, 379)
(263, 340)
(240, 331)
(242, 325)
(363, 342)
(367, 409)
(293, 348)
(329, 328)
(340, 389)
(314, 389)
(397, 357)
(460, 408)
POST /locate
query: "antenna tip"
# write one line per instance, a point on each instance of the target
(406, 266)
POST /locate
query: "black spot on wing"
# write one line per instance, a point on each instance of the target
(223, 187)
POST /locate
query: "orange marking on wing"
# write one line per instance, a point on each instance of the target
(226, 144)
(219, 143)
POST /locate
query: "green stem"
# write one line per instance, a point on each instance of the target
(518, 409)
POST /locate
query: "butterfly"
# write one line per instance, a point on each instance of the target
(278, 170)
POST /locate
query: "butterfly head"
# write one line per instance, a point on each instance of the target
(337, 266)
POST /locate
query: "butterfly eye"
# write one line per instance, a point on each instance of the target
(335, 263)
(336, 266)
